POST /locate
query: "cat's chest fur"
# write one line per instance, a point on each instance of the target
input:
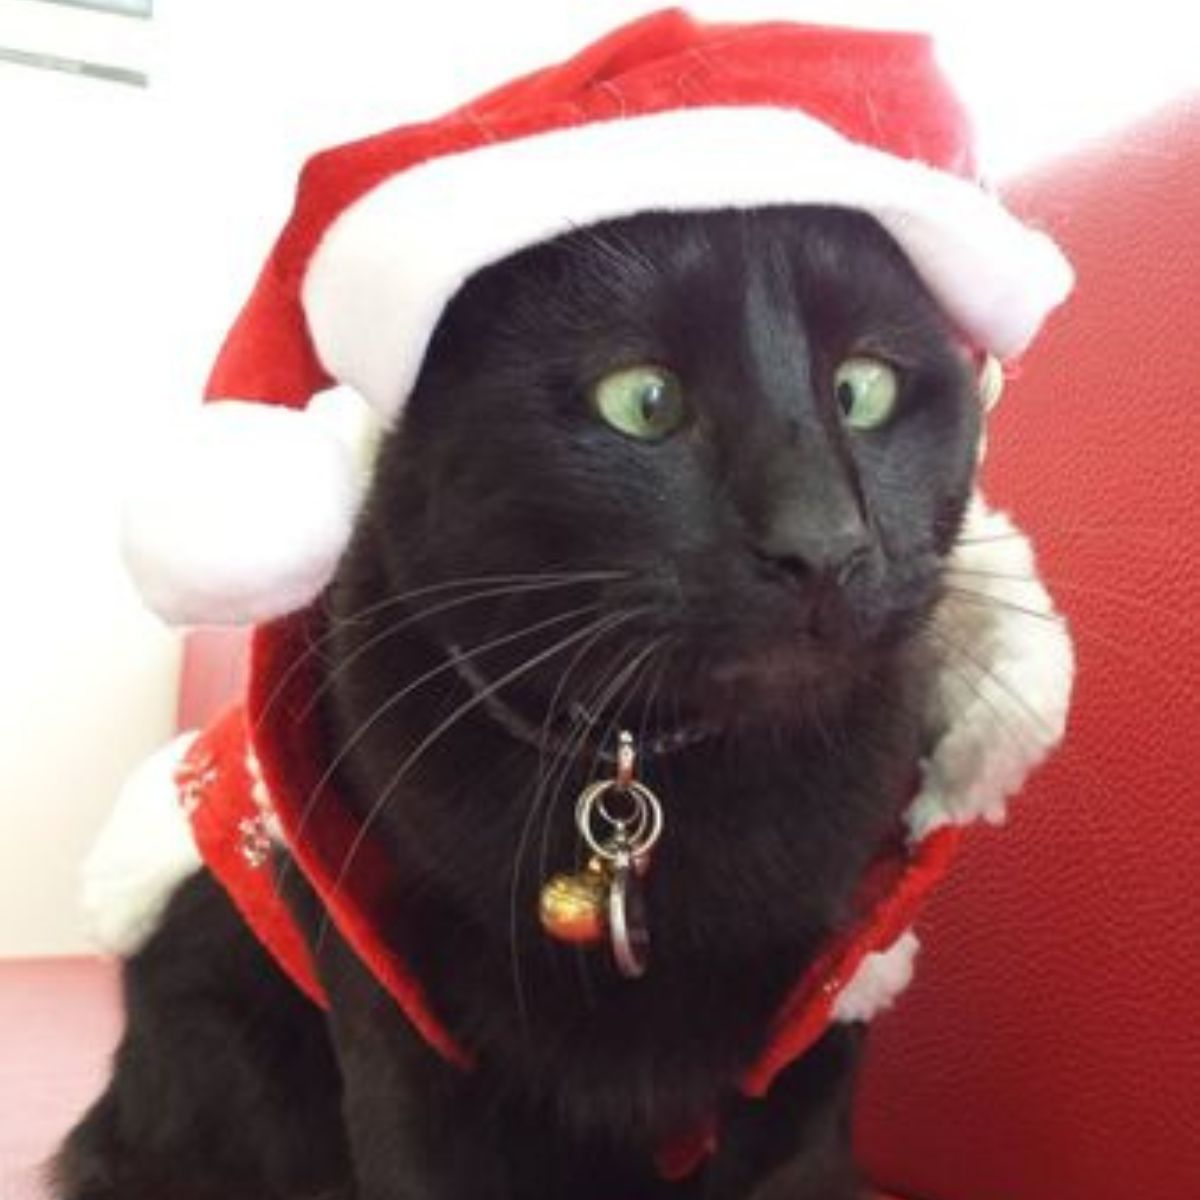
(766, 839)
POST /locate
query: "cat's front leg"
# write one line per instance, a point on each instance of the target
(822, 1169)
(413, 1131)
(795, 1143)
(406, 1140)
(809, 1180)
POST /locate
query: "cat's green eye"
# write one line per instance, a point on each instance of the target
(866, 390)
(642, 402)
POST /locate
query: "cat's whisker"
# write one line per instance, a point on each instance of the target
(1132, 552)
(1084, 589)
(409, 688)
(985, 671)
(497, 585)
(628, 683)
(646, 726)
(986, 539)
(539, 790)
(990, 600)
(1049, 528)
(622, 677)
(477, 699)
(624, 259)
(1008, 715)
(560, 690)
(553, 578)
(357, 653)
(1033, 731)
(1082, 632)
(972, 674)
(598, 700)
(558, 772)
(981, 573)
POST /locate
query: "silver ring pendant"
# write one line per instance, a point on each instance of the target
(638, 836)
(627, 918)
(622, 841)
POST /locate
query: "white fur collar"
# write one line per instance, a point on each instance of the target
(1006, 670)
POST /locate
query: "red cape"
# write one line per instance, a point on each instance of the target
(260, 772)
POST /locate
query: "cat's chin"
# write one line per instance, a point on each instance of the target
(771, 671)
(772, 688)
(711, 695)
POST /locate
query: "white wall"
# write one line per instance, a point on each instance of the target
(86, 678)
(131, 225)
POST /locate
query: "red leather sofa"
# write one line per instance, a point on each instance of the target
(1050, 1046)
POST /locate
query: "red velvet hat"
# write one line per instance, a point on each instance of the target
(246, 516)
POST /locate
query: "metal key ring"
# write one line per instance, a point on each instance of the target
(636, 841)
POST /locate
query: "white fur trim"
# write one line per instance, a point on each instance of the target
(879, 979)
(386, 268)
(144, 851)
(240, 513)
(1006, 668)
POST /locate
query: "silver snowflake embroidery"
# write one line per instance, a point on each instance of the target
(194, 778)
(254, 841)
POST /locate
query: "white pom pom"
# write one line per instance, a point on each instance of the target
(240, 515)
(880, 978)
(142, 854)
(1004, 687)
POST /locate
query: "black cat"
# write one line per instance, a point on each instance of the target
(721, 458)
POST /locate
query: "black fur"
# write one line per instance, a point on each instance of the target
(774, 568)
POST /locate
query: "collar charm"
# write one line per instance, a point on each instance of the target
(619, 820)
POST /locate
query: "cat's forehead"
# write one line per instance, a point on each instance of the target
(698, 285)
(731, 244)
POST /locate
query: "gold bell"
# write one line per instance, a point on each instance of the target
(574, 908)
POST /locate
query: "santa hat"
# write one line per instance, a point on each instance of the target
(245, 517)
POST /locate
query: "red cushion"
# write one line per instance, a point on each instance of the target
(59, 1020)
(1050, 1049)
(215, 663)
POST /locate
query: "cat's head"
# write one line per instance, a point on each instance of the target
(736, 444)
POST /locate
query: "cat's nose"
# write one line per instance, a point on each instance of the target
(793, 546)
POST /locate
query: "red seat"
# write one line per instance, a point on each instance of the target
(1050, 1047)
(59, 1022)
